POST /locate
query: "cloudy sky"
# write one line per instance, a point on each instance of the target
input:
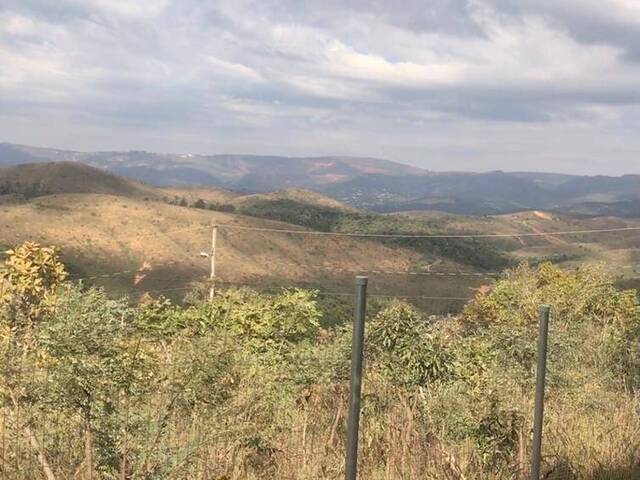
(444, 84)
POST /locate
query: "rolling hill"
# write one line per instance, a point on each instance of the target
(106, 224)
(38, 179)
(128, 238)
(618, 252)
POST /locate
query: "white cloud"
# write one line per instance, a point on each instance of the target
(344, 61)
(237, 70)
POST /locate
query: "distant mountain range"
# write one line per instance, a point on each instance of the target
(249, 173)
(493, 193)
(364, 183)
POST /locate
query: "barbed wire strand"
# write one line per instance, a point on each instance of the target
(428, 236)
(325, 268)
(322, 293)
(151, 268)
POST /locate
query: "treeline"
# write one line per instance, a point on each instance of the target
(27, 190)
(200, 203)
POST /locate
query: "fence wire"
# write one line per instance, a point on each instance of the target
(208, 413)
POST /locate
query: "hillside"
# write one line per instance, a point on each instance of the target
(38, 179)
(159, 247)
(493, 193)
(618, 251)
(297, 195)
(466, 193)
(41, 179)
(105, 224)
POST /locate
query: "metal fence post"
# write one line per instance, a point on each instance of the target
(351, 468)
(541, 372)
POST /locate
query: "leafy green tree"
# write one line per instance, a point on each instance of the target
(96, 368)
(402, 343)
(29, 282)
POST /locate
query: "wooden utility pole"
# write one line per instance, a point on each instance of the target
(212, 278)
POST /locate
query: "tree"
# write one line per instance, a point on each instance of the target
(96, 367)
(30, 278)
(29, 281)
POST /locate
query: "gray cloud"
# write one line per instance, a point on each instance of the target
(589, 22)
(449, 84)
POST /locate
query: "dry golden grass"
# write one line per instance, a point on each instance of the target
(295, 194)
(103, 234)
(398, 444)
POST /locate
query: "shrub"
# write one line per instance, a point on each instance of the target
(29, 279)
(289, 316)
(585, 303)
(91, 360)
(411, 353)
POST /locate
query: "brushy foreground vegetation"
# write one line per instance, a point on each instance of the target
(253, 386)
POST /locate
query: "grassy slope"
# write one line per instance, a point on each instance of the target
(294, 195)
(102, 234)
(38, 179)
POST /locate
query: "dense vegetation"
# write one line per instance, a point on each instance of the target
(26, 190)
(473, 252)
(252, 385)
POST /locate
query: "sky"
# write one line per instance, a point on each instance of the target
(538, 85)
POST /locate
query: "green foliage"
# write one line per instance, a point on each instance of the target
(29, 278)
(221, 207)
(199, 380)
(497, 431)
(158, 317)
(291, 211)
(200, 204)
(92, 363)
(23, 188)
(289, 316)
(477, 253)
(87, 346)
(588, 294)
(585, 303)
(250, 385)
(411, 353)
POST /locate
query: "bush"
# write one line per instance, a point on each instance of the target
(29, 279)
(585, 303)
(289, 316)
(250, 386)
(411, 353)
